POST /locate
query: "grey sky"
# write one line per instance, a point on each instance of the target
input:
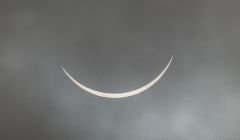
(117, 46)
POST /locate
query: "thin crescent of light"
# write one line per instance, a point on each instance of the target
(119, 95)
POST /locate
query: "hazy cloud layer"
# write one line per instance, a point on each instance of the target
(117, 46)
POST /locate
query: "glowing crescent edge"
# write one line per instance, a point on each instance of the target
(119, 95)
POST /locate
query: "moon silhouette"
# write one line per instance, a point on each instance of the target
(119, 95)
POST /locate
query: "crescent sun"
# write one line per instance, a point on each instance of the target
(119, 95)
